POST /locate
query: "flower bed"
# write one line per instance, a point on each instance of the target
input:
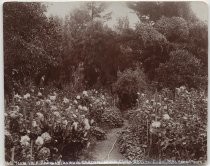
(164, 129)
(51, 126)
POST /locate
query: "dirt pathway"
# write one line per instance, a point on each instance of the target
(107, 150)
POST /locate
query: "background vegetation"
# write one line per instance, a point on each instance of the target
(167, 49)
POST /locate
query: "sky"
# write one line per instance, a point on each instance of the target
(119, 9)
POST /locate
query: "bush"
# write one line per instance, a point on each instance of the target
(174, 28)
(183, 68)
(112, 118)
(164, 129)
(47, 125)
(129, 82)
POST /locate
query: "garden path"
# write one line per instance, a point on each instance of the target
(108, 150)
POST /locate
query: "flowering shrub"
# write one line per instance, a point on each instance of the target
(126, 86)
(112, 118)
(168, 129)
(47, 126)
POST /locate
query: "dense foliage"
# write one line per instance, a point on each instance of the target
(67, 81)
(43, 125)
(165, 129)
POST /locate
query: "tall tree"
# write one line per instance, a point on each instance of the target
(155, 10)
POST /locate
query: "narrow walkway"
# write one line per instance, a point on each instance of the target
(107, 150)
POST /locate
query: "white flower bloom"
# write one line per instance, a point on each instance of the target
(39, 141)
(52, 98)
(56, 113)
(75, 102)
(91, 121)
(40, 116)
(97, 101)
(26, 96)
(65, 122)
(74, 115)
(53, 108)
(78, 97)
(138, 93)
(16, 108)
(34, 124)
(85, 108)
(166, 117)
(39, 94)
(178, 90)
(14, 114)
(91, 105)
(80, 107)
(46, 137)
(86, 123)
(24, 140)
(182, 88)
(147, 101)
(85, 93)
(156, 124)
(102, 97)
(17, 96)
(48, 101)
(75, 125)
(65, 100)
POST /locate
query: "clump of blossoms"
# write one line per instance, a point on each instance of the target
(42, 124)
(164, 127)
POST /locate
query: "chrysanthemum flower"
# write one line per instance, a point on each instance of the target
(75, 102)
(48, 101)
(34, 124)
(85, 93)
(80, 107)
(85, 108)
(166, 117)
(86, 123)
(44, 153)
(46, 137)
(26, 96)
(40, 116)
(56, 113)
(17, 96)
(156, 124)
(78, 97)
(39, 94)
(25, 140)
(91, 121)
(75, 125)
(65, 100)
(52, 98)
(39, 141)
(53, 108)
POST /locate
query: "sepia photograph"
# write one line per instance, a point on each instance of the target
(105, 82)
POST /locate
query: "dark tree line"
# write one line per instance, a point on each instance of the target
(169, 44)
